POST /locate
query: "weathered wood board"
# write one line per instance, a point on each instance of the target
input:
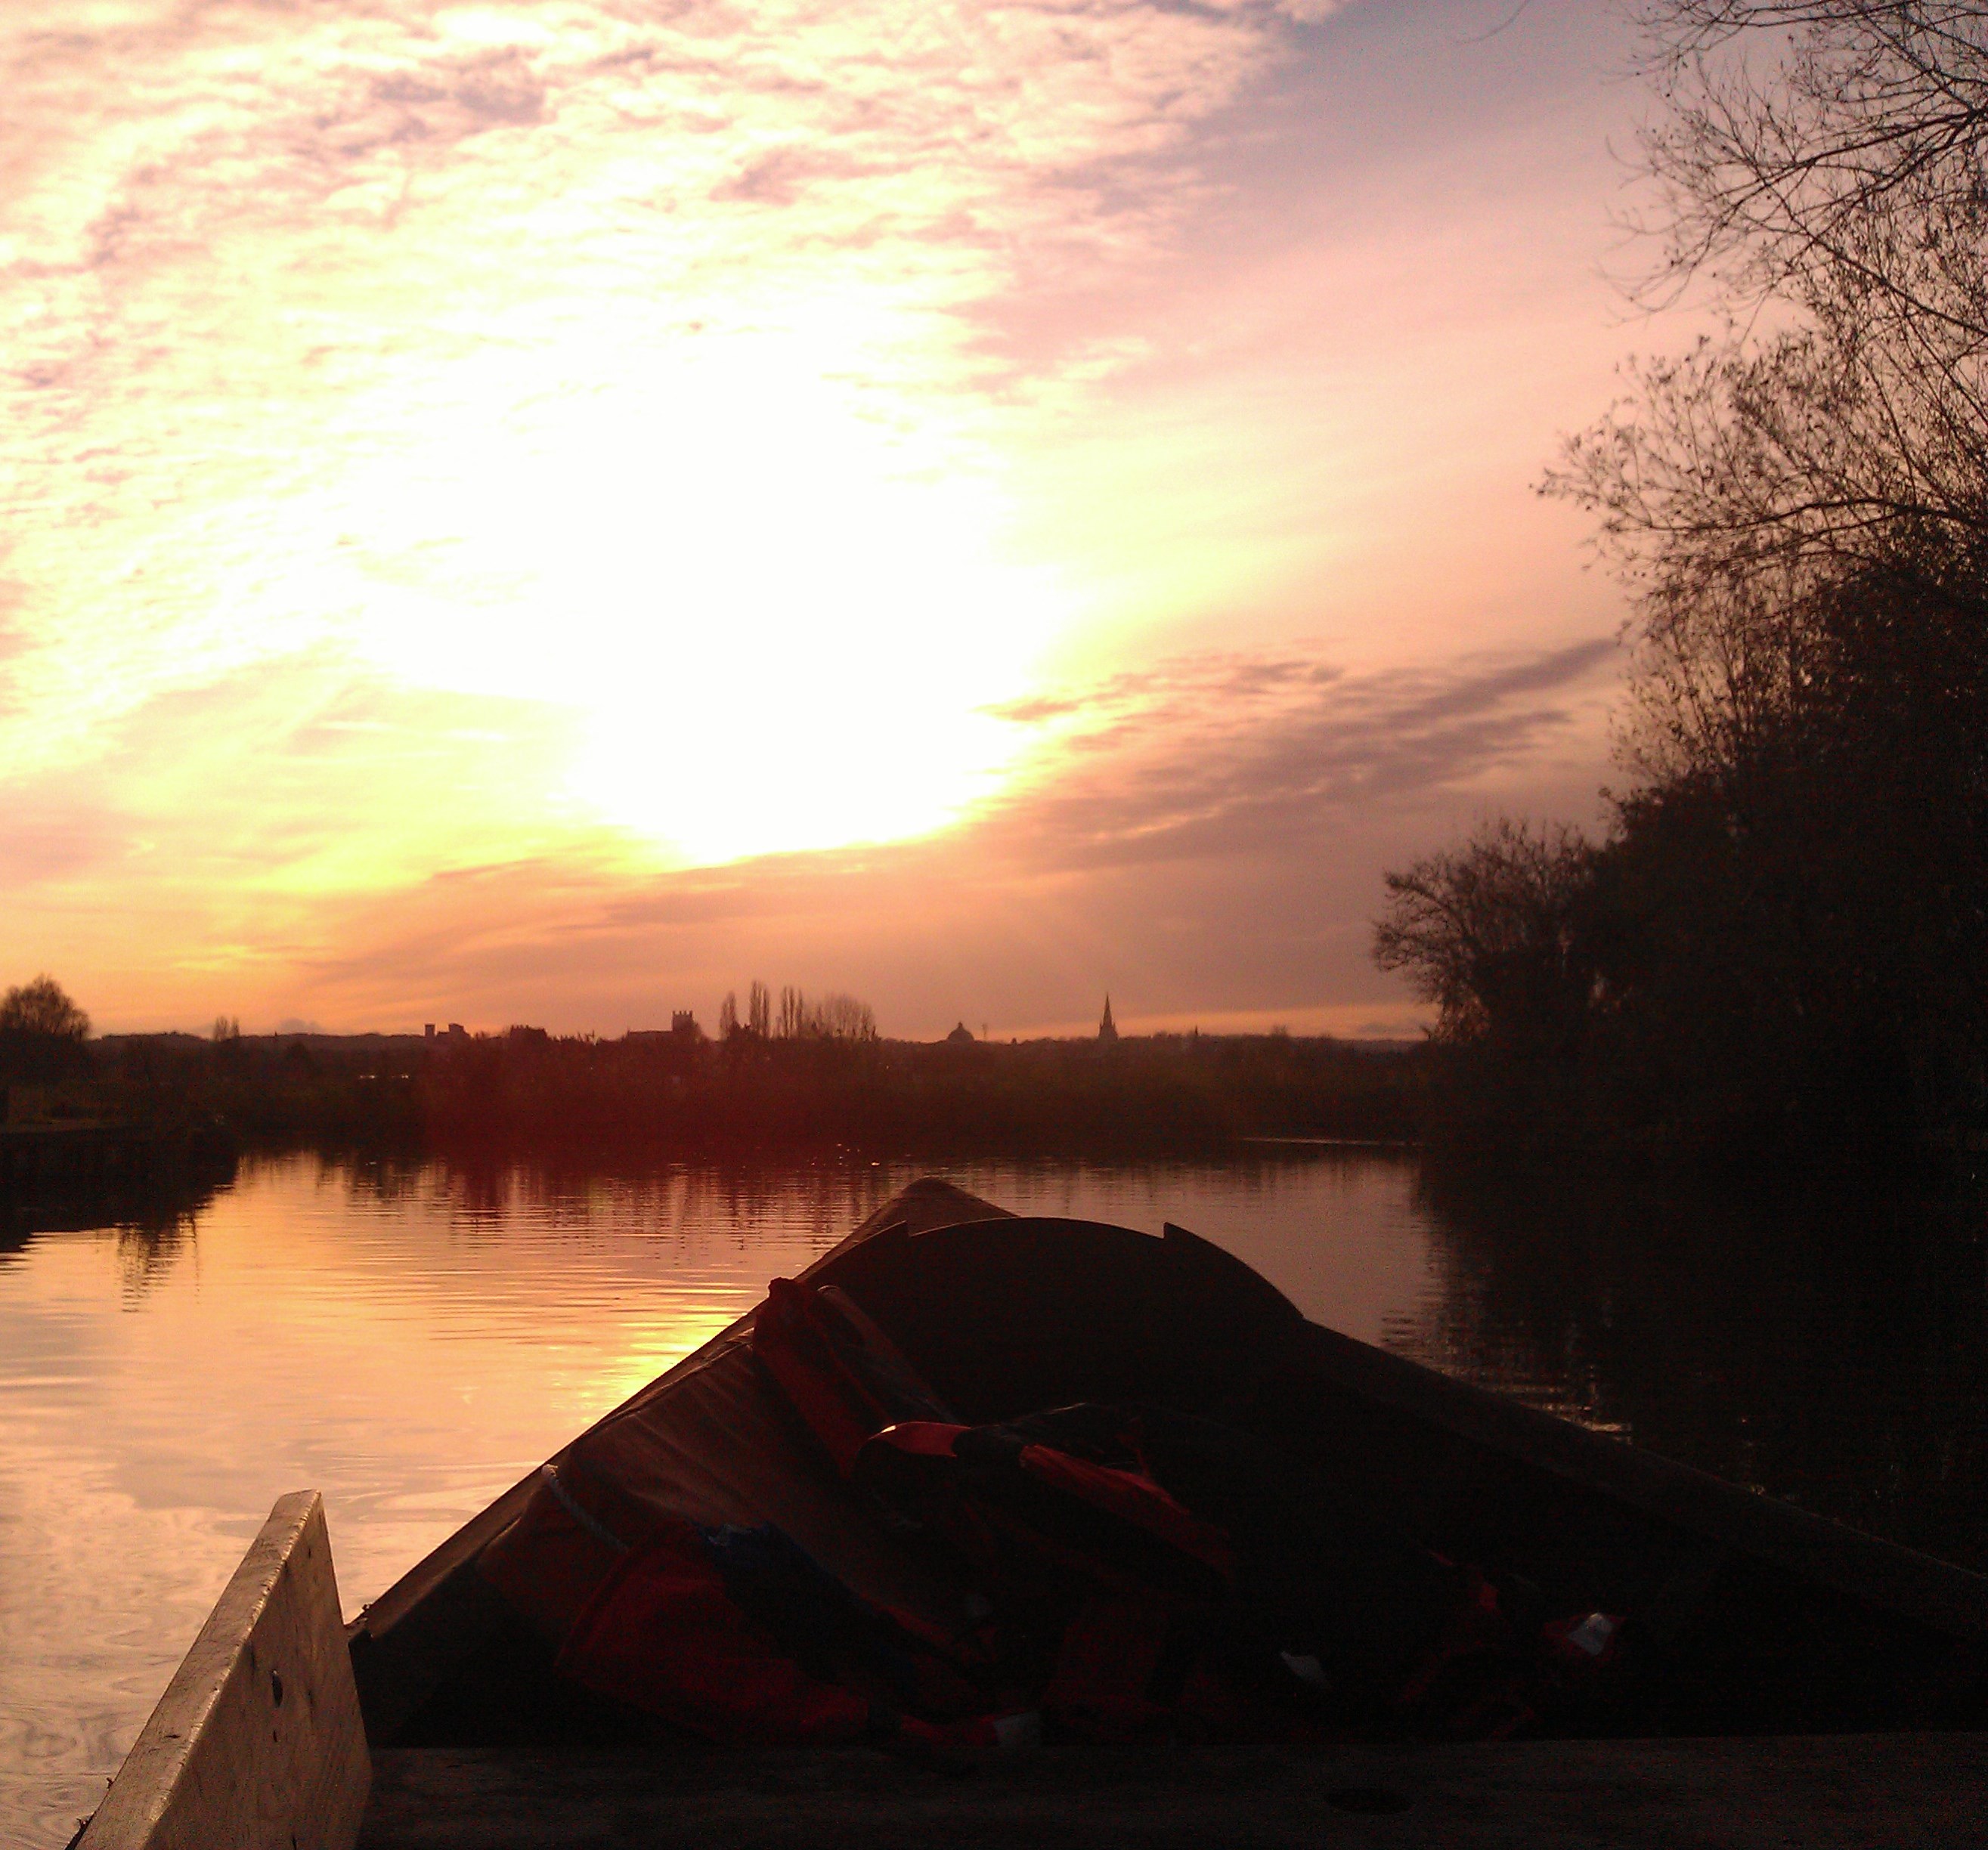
(1871, 1791)
(257, 1743)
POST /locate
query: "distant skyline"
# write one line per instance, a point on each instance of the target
(546, 512)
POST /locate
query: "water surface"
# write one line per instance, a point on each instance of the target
(411, 1340)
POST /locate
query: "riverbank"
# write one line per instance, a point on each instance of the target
(681, 1096)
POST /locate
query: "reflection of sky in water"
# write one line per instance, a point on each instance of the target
(410, 1343)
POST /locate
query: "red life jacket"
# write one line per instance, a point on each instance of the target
(739, 1635)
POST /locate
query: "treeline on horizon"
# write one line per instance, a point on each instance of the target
(1157, 1095)
(1777, 944)
(814, 1076)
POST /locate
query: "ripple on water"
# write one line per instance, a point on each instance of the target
(411, 1343)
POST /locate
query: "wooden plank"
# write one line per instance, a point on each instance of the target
(1872, 1791)
(257, 1743)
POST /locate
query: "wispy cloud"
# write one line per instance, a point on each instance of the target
(1221, 854)
(426, 331)
(1228, 755)
(458, 459)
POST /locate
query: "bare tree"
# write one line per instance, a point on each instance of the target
(1822, 151)
(834, 1017)
(42, 1007)
(1490, 933)
(1787, 912)
(842, 1018)
(1820, 168)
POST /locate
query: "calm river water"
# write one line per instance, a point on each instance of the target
(410, 1340)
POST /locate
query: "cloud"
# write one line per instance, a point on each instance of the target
(452, 452)
(416, 327)
(1206, 833)
(53, 832)
(1223, 756)
(1197, 852)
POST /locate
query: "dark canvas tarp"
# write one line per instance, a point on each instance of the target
(993, 1316)
(1002, 1315)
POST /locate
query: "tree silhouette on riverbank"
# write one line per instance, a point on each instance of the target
(42, 1034)
(1780, 938)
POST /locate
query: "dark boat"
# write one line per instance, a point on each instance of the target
(1780, 1673)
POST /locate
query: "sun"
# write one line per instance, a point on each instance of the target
(776, 594)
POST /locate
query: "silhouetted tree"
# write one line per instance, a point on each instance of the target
(1498, 935)
(1784, 933)
(841, 1017)
(42, 1007)
(41, 1033)
(834, 1017)
(1819, 164)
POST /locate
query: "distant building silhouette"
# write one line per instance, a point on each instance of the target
(1108, 1029)
(683, 1024)
(961, 1036)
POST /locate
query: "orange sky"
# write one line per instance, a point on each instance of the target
(545, 510)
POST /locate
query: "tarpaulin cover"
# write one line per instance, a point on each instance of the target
(1016, 1313)
(915, 1492)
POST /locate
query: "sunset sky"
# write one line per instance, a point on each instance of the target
(546, 510)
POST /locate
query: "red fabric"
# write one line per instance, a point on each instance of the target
(787, 1335)
(1214, 1707)
(920, 1438)
(1016, 1544)
(662, 1634)
(983, 1733)
(1133, 1498)
(1471, 1684)
(1103, 1672)
(840, 1371)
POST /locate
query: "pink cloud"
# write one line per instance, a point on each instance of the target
(332, 326)
(1198, 857)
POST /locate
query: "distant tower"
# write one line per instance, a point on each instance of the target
(1108, 1029)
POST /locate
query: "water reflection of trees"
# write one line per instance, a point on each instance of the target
(824, 1199)
(153, 1219)
(1835, 1354)
(826, 1196)
(147, 1251)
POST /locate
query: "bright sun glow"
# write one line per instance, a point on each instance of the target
(779, 606)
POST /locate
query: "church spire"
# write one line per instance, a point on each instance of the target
(1108, 1029)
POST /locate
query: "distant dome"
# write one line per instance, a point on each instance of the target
(962, 1035)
